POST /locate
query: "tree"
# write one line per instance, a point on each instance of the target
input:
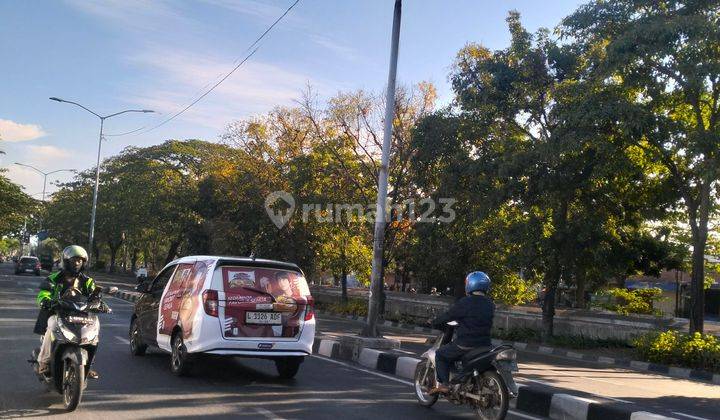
(537, 156)
(664, 55)
(15, 206)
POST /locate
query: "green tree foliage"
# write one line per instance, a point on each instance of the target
(548, 185)
(638, 301)
(9, 246)
(15, 207)
(663, 58)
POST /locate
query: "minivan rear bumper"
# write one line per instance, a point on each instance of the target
(211, 341)
(259, 353)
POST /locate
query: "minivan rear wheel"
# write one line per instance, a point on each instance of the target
(179, 364)
(288, 367)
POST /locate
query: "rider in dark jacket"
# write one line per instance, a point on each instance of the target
(474, 314)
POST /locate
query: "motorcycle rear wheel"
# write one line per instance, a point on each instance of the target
(490, 384)
(73, 378)
(424, 382)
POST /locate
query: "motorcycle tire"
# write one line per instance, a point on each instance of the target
(497, 384)
(423, 385)
(72, 383)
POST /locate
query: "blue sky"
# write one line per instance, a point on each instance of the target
(119, 54)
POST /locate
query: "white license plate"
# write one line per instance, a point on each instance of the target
(269, 318)
(29, 270)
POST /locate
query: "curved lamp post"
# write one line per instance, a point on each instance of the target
(97, 168)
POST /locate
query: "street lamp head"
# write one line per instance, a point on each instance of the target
(56, 99)
(147, 110)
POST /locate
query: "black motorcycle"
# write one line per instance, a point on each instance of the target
(74, 344)
(482, 379)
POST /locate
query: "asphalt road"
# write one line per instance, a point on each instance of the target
(672, 397)
(143, 387)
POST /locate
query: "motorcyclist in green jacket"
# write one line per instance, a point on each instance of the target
(74, 259)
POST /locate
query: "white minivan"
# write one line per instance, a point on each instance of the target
(229, 306)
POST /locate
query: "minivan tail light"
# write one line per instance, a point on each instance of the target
(309, 308)
(210, 302)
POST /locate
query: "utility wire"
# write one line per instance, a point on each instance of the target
(254, 44)
(126, 133)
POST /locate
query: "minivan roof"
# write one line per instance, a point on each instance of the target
(231, 260)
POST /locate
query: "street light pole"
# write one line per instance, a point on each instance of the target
(95, 192)
(97, 166)
(376, 281)
(44, 174)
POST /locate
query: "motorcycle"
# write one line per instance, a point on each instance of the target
(482, 379)
(74, 344)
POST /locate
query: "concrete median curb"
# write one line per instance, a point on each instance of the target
(531, 400)
(127, 295)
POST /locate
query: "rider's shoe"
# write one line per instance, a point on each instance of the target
(93, 374)
(43, 369)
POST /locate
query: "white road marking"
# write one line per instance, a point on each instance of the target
(689, 416)
(402, 381)
(392, 378)
(122, 340)
(267, 413)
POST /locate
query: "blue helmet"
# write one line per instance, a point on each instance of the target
(477, 281)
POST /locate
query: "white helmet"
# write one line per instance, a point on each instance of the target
(71, 252)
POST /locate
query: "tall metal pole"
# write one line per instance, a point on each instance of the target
(44, 184)
(97, 167)
(376, 282)
(95, 194)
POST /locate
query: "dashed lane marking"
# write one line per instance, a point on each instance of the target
(267, 413)
(689, 416)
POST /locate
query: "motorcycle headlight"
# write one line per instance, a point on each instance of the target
(509, 354)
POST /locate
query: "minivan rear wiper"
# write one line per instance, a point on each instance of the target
(259, 291)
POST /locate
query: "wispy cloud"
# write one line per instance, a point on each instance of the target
(254, 88)
(341, 50)
(47, 154)
(45, 158)
(138, 15)
(13, 131)
(265, 13)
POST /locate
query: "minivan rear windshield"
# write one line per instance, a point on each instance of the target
(27, 260)
(277, 282)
